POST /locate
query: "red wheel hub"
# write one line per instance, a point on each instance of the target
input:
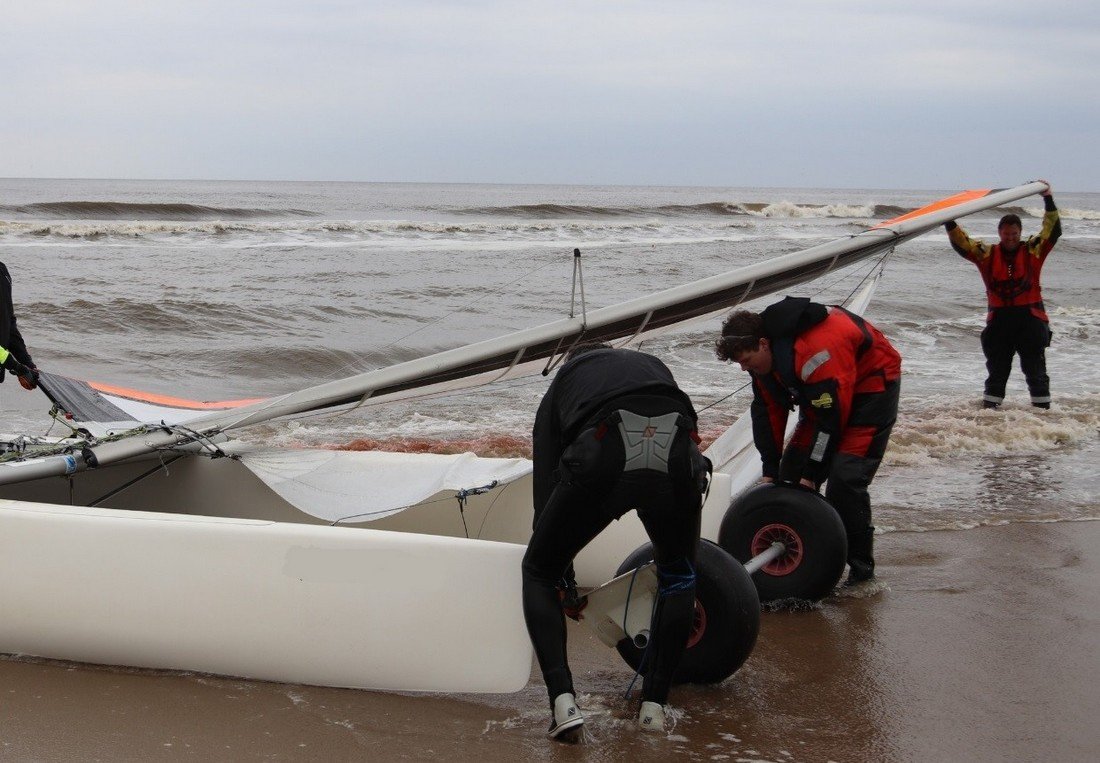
(788, 561)
(698, 625)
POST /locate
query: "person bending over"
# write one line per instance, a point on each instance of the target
(612, 433)
(845, 378)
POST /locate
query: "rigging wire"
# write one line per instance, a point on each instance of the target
(192, 435)
(877, 265)
(517, 383)
(578, 276)
(461, 495)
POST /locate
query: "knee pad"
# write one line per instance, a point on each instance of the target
(675, 577)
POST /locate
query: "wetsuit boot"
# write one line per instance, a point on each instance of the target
(651, 717)
(566, 720)
(861, 558)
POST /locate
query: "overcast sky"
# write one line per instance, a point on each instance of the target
(843, 93)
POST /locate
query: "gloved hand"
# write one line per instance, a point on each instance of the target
(13, 366)
(29, 380)
(572, 603)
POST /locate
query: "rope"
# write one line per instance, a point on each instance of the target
(877, 265)
(460, 495)
(192, 435)
(680, 583)
(725, 397)
(645, 652)
(555, 358)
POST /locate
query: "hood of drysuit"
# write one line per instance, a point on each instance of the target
(784, 322)
(792, 316)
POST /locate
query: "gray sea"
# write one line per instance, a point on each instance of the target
(217, 290)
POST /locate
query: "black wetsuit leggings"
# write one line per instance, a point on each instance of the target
(597, 491)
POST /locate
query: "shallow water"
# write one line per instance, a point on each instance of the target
(976, 645)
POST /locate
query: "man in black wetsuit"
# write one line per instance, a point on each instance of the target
(13, 350)
(613, 433)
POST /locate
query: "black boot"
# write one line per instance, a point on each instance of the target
(861, 557)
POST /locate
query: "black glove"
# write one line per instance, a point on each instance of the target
(29, 380)
(950, 225)
(14, 366)
(572, 603)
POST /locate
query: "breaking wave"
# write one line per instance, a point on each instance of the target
(1070, 214)
(783, 209)
(121, 210)
(338, 230)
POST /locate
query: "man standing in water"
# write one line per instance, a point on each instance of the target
(613, 433)
(845, 376)
(13, 350)
(1017, 322)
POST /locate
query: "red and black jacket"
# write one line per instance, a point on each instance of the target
(822, 358)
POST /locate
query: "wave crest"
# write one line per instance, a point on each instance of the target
(783, 209)
(123, 210)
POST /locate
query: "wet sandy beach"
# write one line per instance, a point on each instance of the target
(980, 645)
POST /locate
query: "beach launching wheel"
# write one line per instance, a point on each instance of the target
(790, 539)
(724, 628)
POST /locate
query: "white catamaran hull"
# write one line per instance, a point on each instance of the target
(332, 606)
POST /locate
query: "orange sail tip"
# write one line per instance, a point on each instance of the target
(935, 206)
(168, 400)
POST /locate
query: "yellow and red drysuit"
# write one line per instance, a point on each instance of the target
(844, 376)
(1017, 322)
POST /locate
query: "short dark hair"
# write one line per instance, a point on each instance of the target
(584, 347)
(1010, 220)
(741, 332)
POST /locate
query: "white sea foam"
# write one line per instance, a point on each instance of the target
(951, 430)
(789, 209)
(1075, 321)
(386, 235)
(1067, 214)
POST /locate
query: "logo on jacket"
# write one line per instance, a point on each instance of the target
(825, 401)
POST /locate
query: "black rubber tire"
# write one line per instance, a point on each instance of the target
(817, 541)
(727, 617)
